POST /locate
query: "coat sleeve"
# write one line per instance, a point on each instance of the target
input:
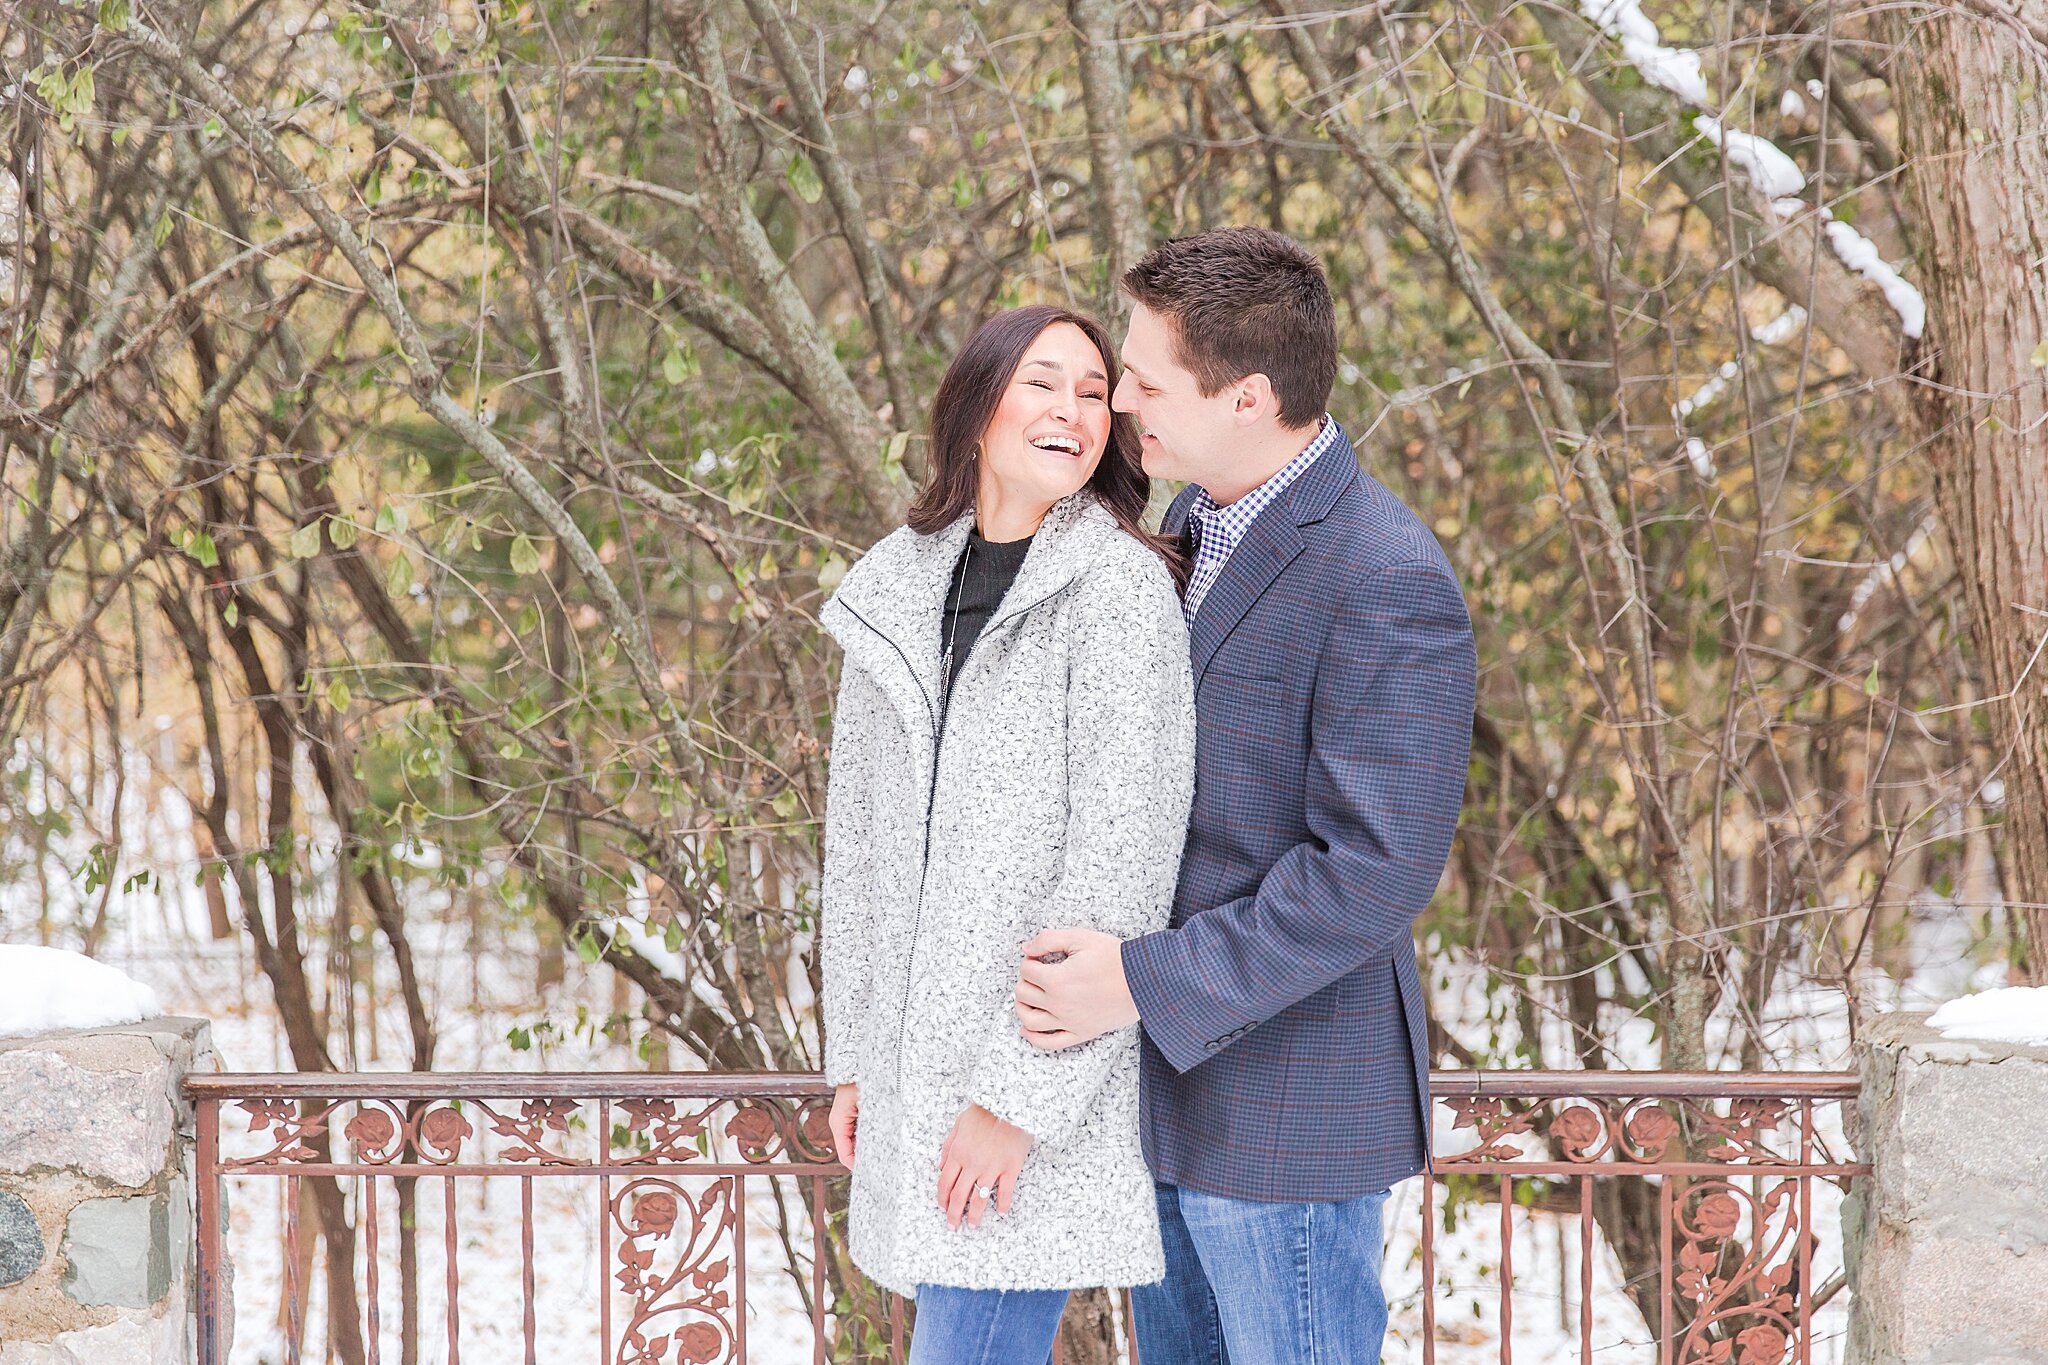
(1390, 731)
(846, 895)
(1130, 783)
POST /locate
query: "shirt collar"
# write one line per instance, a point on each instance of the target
(1232, 521)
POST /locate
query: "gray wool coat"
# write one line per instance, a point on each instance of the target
(1057, 794)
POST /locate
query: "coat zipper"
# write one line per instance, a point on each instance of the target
(931, 795)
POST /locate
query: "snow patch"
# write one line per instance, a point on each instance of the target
(1702, 458)
(42, 989)
(1890, 568)
(1859, 253)
(1791, 104)
(1675, 69)
(1781, 328)
(2014, 1014)
(1774, 173)
(1707, 392)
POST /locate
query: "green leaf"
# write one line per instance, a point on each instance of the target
(963, 190)
(201, 548)
(391, 519)
(305, 542)
(679, 364)
(341, 531)
(2040, 356)
(588, 948)
(892, 453)
(443, 40)
(525, 558)
(831, 573)
(803, 178)
(338, 694)
(398, 578)
(1870, 683)
(231, 613)
(784, 805)
(161, 229)
(114, 15)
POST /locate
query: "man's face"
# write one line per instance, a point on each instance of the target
(1185, 435)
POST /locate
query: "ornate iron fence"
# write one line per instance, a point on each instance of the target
(1701, 1184)
(697, 1195)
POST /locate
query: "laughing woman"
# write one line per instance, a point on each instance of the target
(1013, 750)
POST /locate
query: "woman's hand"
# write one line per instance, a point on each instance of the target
(981, 1153)
(845, 1118)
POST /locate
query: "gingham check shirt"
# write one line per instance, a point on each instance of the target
(1217, 530)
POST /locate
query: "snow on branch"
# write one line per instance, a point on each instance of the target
(1676, 69)
(1776, 175)
(1769, 169)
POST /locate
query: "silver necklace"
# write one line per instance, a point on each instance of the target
(953, 626)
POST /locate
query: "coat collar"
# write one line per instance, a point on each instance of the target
(889, 609)
(1271, 543)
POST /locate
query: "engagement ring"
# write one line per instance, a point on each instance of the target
(985, 1191)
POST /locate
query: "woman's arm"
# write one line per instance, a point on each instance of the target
(1130, 784)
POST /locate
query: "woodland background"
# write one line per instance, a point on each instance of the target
(429, 429)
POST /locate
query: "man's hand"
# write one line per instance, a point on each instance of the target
(845, 1118)
(981, 1157)
(1081, 994)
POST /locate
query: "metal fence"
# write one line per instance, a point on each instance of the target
(704, 1190)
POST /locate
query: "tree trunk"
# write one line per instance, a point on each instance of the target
(1976, 135)
(1088, 1331)
(1121, 234)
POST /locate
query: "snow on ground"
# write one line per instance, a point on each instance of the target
(2014, 1014)
(48, 988)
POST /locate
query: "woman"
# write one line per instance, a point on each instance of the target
(1013, 750)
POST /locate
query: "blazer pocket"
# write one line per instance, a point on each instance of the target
(1327, 1003)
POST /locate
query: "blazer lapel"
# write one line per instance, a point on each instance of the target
(1268, 547)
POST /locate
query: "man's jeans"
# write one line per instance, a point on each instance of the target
(985, 1326)
(1255, 1283)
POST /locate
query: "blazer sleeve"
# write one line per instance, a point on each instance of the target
(1130, 784)
(846, 895)
(1390, 730)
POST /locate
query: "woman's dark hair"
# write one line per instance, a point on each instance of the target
(967, 400)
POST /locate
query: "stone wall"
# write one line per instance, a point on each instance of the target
(1947, 1240)
(96, 1194)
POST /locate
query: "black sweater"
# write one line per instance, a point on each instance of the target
(984, 573)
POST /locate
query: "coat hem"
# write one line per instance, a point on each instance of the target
(1122, 1277)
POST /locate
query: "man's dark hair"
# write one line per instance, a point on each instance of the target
(1242, 301)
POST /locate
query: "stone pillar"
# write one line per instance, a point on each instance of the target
(1947, 1240)
(96, 1194)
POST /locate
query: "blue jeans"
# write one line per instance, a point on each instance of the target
(1255, 1283)
(985, 1326)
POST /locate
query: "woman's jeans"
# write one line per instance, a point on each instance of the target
(1255, 1283)
(985, 1326)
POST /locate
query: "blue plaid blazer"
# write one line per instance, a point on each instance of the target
(1284, 1053)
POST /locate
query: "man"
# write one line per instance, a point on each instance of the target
(1285, 1071)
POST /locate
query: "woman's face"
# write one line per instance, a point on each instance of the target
(1052, 425)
